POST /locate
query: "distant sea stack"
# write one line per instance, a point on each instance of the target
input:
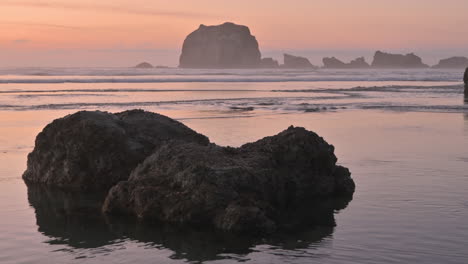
(296, 62)
(144, 65)
(223, 46)
(388, 60)
(334, 63)
(452, 63)
(269, 63)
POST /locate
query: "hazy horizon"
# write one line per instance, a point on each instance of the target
(58, 33)
(162, 57)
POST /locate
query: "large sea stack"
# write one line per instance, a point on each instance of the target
(388, 60)
(223, 46)
(96, 150)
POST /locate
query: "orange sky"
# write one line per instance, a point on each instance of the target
(35, 26)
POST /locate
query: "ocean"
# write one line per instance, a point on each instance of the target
(402, 133)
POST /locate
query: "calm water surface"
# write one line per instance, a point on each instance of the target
(404, 137)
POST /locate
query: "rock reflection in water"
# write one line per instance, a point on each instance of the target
(75, 220)
(70, 218)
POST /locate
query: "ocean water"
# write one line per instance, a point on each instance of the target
(402, 133)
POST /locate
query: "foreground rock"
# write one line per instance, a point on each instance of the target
(260, 187)
(144, 65)
(465, 77)
(388, 60)
(295, 62)
(223, 46)
(334, 63)
(452, 63)
(95, 150)
(465, 80)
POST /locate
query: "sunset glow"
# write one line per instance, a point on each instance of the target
(30, 27)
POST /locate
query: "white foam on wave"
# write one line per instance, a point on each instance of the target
(130, 75)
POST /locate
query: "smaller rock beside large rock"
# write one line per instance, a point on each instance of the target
(95, 150)
(260, 187)
(296, 62)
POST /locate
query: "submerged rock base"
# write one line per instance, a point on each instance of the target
(177, 176)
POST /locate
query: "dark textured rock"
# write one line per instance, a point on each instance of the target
(334, 63)
(465, 77)
(452, 63)
(465, 98)
(388, 60)
(95, 150)
(144, 65)
(260, 187)
(295, 62)
(223, 46)
(268, 63)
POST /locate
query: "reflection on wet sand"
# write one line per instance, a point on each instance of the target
(75, 220)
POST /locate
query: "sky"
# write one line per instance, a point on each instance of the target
(126, 32)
